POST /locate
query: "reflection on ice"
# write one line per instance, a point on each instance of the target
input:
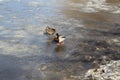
(35, 3)
(93, 6)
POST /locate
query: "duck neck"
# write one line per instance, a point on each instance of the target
(57, 36)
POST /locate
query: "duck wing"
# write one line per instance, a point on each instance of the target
(61, 38)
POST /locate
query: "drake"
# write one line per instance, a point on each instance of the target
(59, 39)
(49, 30)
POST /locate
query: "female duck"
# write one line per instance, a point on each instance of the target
(59, 39)
(49, 30)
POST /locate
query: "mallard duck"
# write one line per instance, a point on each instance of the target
(59, 39)
(49, 30)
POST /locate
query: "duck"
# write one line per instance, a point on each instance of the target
(50, 31)
(59, 39)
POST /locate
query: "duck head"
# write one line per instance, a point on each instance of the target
(57, 35)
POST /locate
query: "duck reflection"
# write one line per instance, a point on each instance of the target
(59, 48)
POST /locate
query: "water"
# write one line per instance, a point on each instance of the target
(91, 27)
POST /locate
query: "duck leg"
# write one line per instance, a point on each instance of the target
(61, 43)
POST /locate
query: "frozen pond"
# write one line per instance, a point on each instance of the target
(91, 27)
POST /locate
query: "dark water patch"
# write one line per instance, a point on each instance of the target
(92, 50)
(112, 32)
(66, 70)
(10, 68)
(53, 68)
(109, 31)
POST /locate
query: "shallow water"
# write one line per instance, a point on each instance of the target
(91, 27)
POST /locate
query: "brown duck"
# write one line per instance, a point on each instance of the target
(49, 30)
